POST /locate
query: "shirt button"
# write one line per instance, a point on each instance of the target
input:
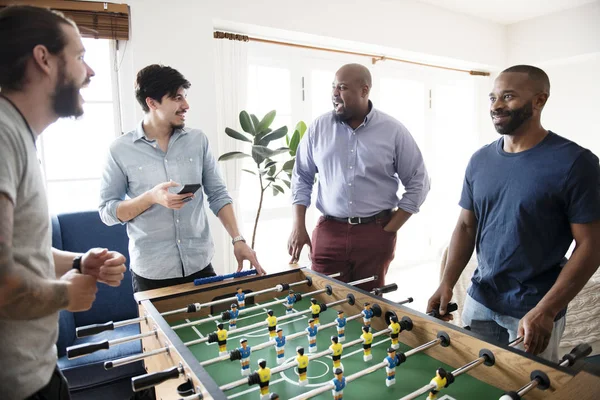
(350, 202)
(166, 161)
(177, 221)
(191, 160)
(349, 184)
(154, 145)
(351, 167)
(352, 151)
(178, 241)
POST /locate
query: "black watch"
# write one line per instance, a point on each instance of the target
(77, 263)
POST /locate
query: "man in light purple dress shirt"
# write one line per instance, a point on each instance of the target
(362, 156)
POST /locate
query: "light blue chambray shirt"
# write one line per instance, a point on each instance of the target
(164, 243)
(359, 170)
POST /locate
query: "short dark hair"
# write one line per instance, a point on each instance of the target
(537, 75)
(156, 81)
(21, 29)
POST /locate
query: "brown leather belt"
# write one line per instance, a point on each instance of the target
(360, 220)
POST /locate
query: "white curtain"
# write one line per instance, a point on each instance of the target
(231, 74)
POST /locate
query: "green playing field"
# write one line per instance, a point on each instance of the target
(416, 372)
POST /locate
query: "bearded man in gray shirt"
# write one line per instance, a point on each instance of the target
(41, 72)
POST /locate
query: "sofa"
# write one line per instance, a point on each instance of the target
(78, 232)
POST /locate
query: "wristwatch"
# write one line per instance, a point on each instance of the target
(77, 263)
(238, 239)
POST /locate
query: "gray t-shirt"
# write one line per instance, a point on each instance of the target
(28, 351)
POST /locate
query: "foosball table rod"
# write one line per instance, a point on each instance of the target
(293, 364)
(486, 357)
(89, 330)
(540, 380)
(442, 339)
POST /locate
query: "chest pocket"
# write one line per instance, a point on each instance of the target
(144, 176)
(190, 168)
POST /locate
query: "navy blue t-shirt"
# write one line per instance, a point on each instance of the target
(524, 204)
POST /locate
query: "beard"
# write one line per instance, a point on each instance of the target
(516, 118)
(65, 100)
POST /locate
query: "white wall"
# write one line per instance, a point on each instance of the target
(567, 46)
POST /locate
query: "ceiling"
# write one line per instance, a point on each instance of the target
(507, 11)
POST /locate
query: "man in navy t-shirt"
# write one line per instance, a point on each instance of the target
(525, 198)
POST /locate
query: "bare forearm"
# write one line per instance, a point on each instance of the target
(227, 218)
(459, 253)
(575, 274)
(129, 209)
(63, 261)
(25, 295)
(299, 213)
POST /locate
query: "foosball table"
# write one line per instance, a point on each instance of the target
(299, 334)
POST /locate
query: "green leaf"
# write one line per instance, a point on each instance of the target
(287, 183)
(279, 188)
(288, 165)
(276, 134)
(233, 155)
(236, 135)
(246, 123)
(266, 152)
(261, 135)
(270, 164)
(275, 192)
(248, 171)
(270, 179)
(255, 122)
(294, 143)
(266, 121)
(287, 140)
(272, 171)
(300, 127)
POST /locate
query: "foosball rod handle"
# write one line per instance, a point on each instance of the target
(451, 307)
(392, 287)
(580, 351)
(150, 380)
(86, 348)
(94, 329)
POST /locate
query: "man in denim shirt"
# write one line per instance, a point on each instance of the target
(169, 237)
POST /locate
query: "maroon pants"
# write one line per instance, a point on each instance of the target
(357, 251)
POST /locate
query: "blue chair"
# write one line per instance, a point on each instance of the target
(78, 232)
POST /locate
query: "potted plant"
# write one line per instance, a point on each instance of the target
(270, 173)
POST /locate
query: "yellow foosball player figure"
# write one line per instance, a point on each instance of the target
(395, 331)
(440, 381)
(315, 309)
(272, 323)
(367, 338)
(302, 361)
(222, 339)
(339, 383)
(336, 350)
(261, 377)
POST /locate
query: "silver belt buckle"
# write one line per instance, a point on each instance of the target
(353, 223)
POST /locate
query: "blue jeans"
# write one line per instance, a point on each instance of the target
(495, 327)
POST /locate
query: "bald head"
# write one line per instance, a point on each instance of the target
(358, 73)
(536, 77)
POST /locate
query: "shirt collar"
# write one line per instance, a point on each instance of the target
(141, 134)
(368, 117)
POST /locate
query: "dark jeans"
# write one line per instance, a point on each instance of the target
(56, 389)
(142, 284)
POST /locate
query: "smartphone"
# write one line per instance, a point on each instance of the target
(189, 188)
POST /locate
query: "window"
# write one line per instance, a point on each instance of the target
(73, 151)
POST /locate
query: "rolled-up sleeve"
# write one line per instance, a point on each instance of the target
(113, 188)
(303, 175)
(412, 172)
(214, 185)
